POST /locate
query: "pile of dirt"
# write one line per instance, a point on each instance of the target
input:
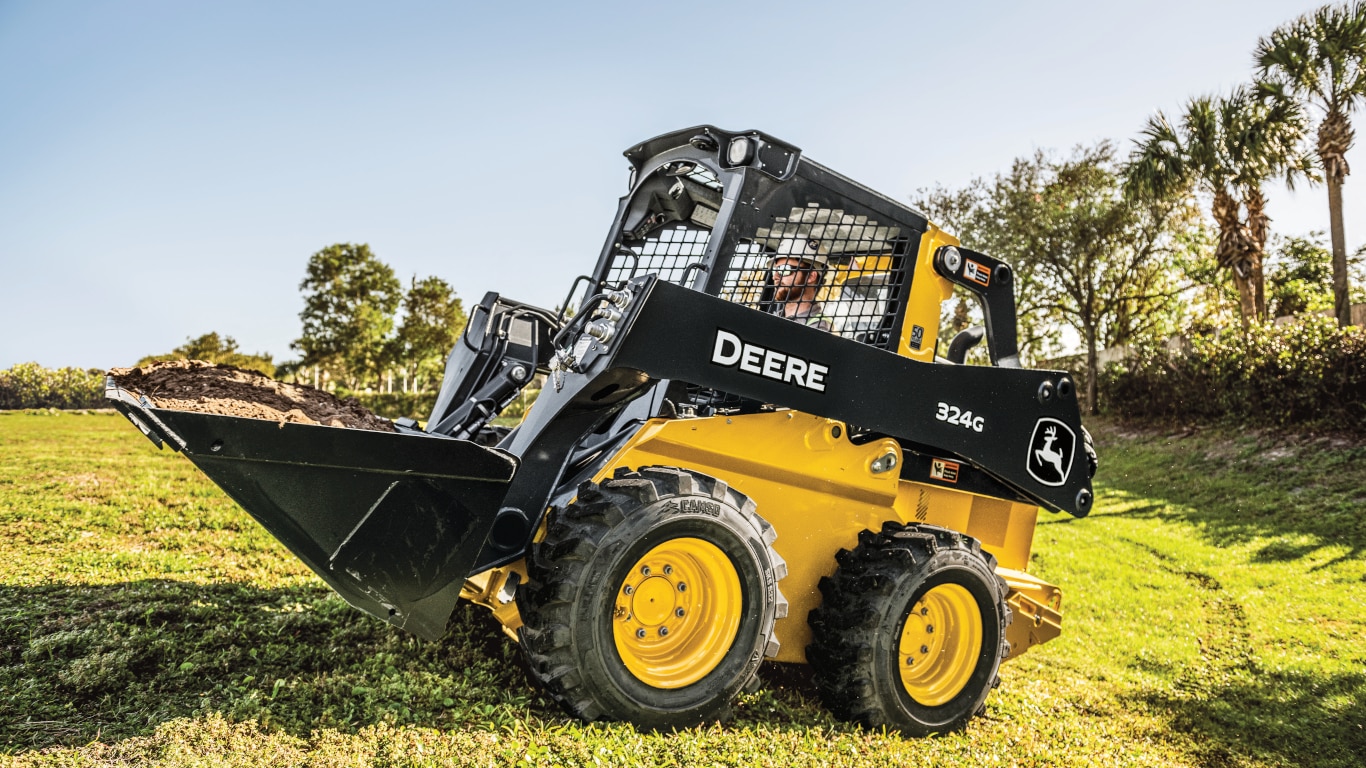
(194, 385)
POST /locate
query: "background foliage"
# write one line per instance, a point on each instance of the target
(433, 318)
(1300, 275)
(1309, 373)
(29, 385)
(1086, 257)
(216, 349)
(350, 298)
(418, 405)
(354, 337)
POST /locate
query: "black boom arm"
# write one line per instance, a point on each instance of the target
(1021, 427)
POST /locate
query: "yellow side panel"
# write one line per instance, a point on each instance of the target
(818, 491)
(1005, 529)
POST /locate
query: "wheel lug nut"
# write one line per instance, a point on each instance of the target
(910, 660)
(924, 611)
(929, 629)
(682, 587)
(663, 631)
(924, 649)
(678, 612)
(629, 589)
(640, 633)
(668, 569)
(644, 570)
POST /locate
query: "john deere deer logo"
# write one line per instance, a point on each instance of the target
(1050, 452)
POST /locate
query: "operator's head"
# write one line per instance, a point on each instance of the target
(798, 266)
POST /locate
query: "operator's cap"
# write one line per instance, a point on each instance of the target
(809, 249)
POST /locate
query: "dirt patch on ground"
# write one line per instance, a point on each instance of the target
(194, 385)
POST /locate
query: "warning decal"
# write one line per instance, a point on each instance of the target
(943, 469)
(976, 273)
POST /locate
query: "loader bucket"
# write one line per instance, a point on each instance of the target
(392, 521)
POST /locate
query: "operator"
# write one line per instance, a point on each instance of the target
(797, 272)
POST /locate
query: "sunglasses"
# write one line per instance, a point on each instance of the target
(784, 270)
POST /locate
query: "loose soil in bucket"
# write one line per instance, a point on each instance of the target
(195, 385)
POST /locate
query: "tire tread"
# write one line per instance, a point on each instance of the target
(854, 600)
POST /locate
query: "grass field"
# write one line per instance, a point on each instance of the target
(1215, 615)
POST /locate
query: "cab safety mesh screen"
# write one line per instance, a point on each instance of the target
(829, 268)
(668, 252)
(667, 230)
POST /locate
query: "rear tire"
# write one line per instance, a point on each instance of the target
(911, 630)
(652, 599)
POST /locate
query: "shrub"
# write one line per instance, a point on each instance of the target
(1308, 373)
(213, 348)
(29, 385)
(418, 405)
(395, 405)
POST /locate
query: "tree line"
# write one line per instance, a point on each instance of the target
(362, 330)
(1121, 249)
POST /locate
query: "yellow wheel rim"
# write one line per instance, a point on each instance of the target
(940, 644)
(677, 612)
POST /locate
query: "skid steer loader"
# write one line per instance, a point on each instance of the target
(704, 484)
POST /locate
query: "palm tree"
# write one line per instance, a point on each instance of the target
(1321, 57)
(1226, 147)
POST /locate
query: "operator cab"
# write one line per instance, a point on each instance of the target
(710, 210)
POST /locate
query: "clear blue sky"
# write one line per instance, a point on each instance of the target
(167, 168)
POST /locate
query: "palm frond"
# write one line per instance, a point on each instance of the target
(1206, 125)
(1156, 167)
(1320, 57)
(1263, 137)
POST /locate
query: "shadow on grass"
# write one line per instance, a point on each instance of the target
(1146, 511)
(1243, 487)
(1283, 717)
(107, 662)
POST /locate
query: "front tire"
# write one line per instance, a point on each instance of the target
(910, 633)
(652, 599)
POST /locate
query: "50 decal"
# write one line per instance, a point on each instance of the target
(955, 415)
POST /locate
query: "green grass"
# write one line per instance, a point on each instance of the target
(1215, 614)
